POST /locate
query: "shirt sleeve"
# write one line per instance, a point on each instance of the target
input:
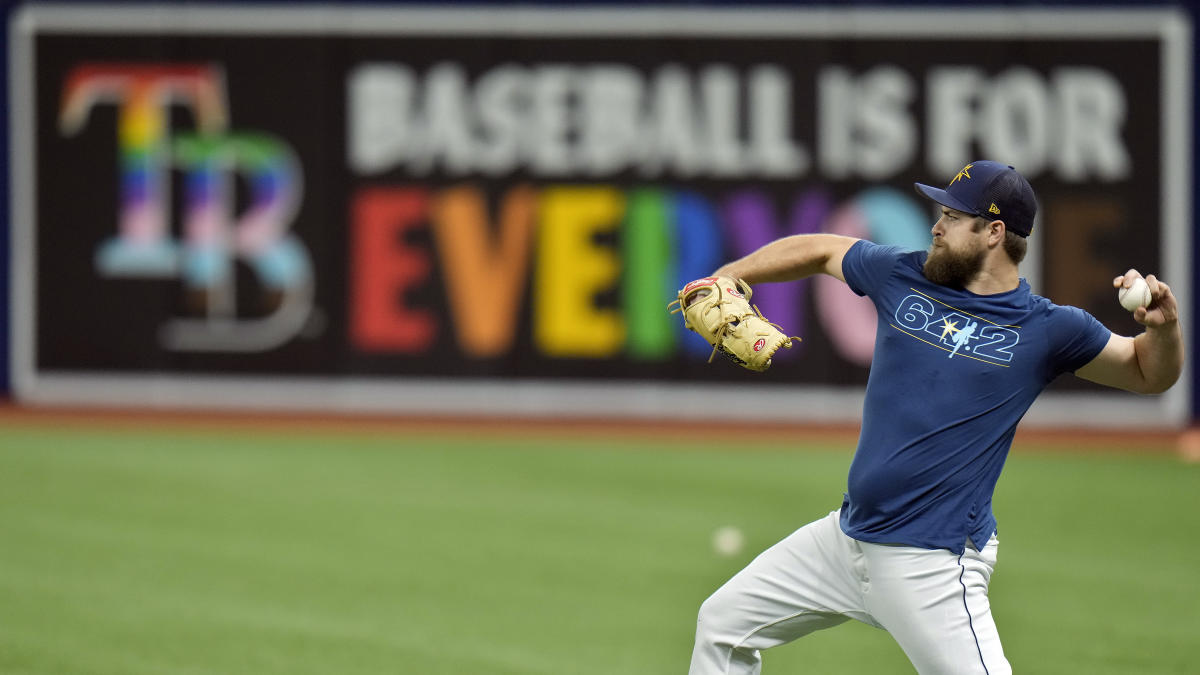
(1077, 337)
(867, 265)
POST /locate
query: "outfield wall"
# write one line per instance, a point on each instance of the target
(432, 211)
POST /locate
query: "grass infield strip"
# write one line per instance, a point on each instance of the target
(136, 549)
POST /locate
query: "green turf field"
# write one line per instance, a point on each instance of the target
(216, 552)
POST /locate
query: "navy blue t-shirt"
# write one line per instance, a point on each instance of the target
(952, 375)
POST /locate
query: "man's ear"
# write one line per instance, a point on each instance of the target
(996, 232)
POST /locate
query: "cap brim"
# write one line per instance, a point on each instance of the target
(942, 197)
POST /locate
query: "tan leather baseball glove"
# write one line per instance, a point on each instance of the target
(719, 310)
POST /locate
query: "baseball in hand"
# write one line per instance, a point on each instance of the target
(1137, 295)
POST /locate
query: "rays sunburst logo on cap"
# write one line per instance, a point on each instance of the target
(962, 174)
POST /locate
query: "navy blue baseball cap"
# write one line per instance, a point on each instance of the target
(990, 190)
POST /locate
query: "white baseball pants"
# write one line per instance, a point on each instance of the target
(933, 602)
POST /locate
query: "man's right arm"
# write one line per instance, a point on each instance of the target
(1151, 362)
(791, 258)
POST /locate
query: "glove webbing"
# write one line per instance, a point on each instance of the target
(721, 333)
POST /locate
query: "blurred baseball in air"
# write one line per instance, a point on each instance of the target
(728, 540)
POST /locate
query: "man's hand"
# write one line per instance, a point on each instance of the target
(1163, 309)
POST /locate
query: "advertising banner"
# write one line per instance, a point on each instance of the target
(488, 210)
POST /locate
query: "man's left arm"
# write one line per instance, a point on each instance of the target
(1151, 362)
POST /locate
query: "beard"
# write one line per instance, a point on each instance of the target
(951, 268)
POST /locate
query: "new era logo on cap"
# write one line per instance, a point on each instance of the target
(987, 187)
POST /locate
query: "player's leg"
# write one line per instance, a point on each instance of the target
(935, 604)
(804, 583)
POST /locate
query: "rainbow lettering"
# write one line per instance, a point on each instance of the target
(599, 264)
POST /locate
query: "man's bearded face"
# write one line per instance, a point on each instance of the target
(954, 267)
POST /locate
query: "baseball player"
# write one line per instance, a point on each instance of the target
(962, 350)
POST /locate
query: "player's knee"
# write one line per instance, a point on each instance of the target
(714, 621)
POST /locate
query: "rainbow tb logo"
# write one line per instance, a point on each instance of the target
(213, 235)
